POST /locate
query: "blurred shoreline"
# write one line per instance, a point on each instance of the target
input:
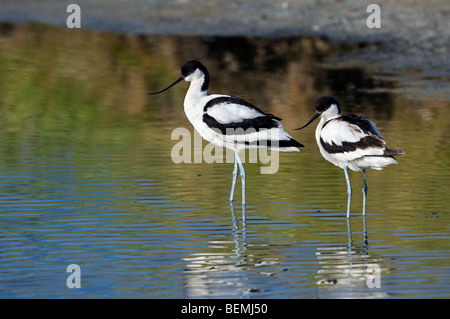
(414, 37)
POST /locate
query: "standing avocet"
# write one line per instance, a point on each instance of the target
(350, 141)
(230, 122)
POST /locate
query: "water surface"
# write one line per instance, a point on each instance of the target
(86, 175)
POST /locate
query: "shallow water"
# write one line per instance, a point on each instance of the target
(86, 175)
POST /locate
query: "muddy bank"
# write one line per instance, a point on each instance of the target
(407, 21)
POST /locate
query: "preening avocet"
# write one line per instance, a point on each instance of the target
(230, 122)
(350, 142)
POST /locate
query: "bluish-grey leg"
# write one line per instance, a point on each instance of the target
(241, 168)
(349, 234)
(349, 191)
(366, 241)
(365, 193)
(235, 174)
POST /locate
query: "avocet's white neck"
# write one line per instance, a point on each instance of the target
(330, 113)
(319, 130)
(195, 92)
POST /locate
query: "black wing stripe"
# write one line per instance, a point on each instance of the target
(391, 152)
(360, 121)
(276, 144)
(233, 100)
(364, 143)
(267, 121)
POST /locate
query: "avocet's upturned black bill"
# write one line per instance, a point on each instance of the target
(350, 142)
(181, 78)
(309, 122)
(230, 122)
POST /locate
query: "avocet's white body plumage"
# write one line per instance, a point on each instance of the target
(226, 110)
(230, 122)
(335, 130)
(350, 142)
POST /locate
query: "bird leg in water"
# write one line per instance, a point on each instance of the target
(349, 191)
(241, 168)
(364, 192)
(235, 173)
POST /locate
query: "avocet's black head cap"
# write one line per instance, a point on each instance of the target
(324, 102)
(190, 66)
(187, 69)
